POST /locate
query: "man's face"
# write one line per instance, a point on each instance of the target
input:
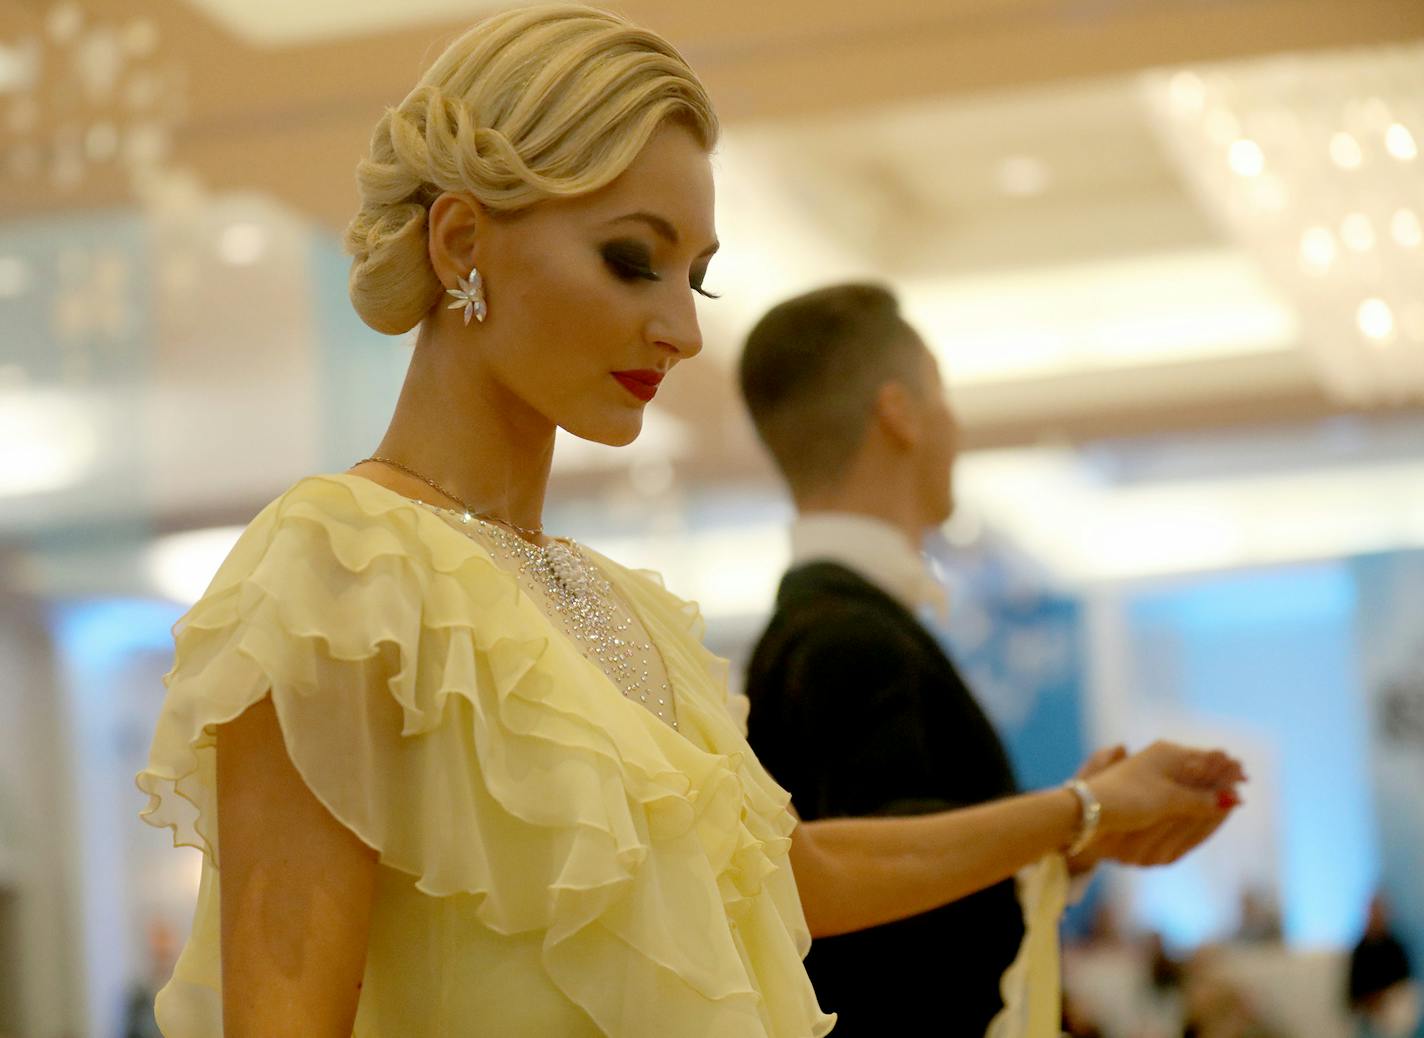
(937, 449)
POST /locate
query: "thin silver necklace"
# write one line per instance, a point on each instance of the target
(486, 516)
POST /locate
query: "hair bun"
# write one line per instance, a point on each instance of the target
(392, 284)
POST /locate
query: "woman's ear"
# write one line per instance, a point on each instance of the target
(454, 228)
(898, 413)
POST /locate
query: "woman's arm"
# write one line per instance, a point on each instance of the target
(296, 888)
(854, 873)
(858, 872)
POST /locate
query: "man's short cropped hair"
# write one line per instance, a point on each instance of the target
(810, 373)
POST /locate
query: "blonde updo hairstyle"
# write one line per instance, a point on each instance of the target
(533, 104)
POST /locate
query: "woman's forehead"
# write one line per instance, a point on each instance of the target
(670, 180)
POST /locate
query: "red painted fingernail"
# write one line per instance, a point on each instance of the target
(1226, 800)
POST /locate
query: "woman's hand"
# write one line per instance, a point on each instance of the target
(1160, 803)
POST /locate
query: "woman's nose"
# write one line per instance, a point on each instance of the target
(676, 328)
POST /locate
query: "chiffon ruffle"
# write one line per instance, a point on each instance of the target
(1031, 987)
(435, 711)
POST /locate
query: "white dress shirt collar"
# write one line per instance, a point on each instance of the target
(874, 550)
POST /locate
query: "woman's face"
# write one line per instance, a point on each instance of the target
(591, 298)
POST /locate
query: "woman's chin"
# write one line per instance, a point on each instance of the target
(609, 431)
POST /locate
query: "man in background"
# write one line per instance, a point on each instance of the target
(855, 708)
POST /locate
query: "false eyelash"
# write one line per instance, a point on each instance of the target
(629, 263)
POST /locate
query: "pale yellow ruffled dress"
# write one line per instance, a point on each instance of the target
(555, 860)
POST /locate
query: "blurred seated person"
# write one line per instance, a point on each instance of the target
(1384, 998)
(1215, 1006)
(1260, 917)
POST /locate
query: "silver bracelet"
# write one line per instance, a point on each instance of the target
(1089, 814)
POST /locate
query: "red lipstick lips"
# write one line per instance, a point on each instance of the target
(642, 384)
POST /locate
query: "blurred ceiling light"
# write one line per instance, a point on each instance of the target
(1096, 531)
(1404, 226)
(1246, 158)
(1345, 151)
(99, 62)
(19, 66)
(1357, 232)
(15, 276)
(1188, 92)
(242, 244)
(1399, 142)
(47, 441)
(140, 38)
(181, 565)
(1317, 250)
(1023, 176)
(1376, 320)
(64, 21)
(1154, 309)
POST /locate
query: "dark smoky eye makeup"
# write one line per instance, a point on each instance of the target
(631, 261)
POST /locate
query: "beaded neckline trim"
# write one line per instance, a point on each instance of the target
(587, 604)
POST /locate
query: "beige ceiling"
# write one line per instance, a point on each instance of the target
(290, 120)
(282, 23)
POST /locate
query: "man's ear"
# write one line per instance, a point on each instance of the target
(897, 413)
(455, 227)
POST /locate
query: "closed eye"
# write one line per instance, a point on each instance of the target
(631, 261)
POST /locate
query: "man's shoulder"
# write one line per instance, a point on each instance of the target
(814, 614)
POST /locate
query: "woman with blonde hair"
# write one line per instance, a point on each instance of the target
(453, 775)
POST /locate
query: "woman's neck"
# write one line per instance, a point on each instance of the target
(456, 425)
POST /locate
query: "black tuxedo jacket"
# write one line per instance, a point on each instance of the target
(856, 710)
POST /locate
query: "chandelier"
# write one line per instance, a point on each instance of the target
(1311, 162)
(85, 95)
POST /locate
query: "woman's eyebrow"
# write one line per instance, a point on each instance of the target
(662, 226)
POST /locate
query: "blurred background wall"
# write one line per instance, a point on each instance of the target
(1169, 253)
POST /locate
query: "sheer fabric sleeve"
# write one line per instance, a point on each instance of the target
(428, 705)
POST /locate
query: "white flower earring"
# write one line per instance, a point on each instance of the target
(471, 296)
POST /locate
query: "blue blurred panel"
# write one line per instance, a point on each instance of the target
(1391, 634)
(1019, 648)
(96, 643)
(1273, 652)
(95, 637)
